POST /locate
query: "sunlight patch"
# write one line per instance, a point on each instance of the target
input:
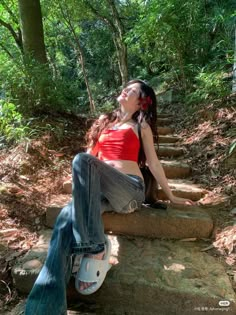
(175, 267)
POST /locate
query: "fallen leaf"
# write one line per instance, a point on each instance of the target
(190, 239)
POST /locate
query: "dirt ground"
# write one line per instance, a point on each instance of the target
(31, 171)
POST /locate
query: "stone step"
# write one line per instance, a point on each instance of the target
(169, 151)
(164, 130)
(149, 222)
(184, 189)
(164, 121)
(175, 169)
(151, 277)
(168, 139)
(157, 223)
(181, 188)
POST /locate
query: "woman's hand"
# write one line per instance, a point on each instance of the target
(182, 201)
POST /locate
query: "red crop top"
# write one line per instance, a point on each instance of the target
(120, 144)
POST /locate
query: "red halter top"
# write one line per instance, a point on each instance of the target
(120, 144)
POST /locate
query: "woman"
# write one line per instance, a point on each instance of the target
(108, 172)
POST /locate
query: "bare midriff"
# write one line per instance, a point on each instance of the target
(126, 167)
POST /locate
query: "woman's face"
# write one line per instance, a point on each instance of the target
(129, 97)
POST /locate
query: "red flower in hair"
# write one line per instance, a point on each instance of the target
(145, 102)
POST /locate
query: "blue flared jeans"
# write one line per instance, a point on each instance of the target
(96, 187)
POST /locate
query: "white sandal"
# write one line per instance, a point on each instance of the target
(93, 271)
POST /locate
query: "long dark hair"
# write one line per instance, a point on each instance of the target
(149, 115)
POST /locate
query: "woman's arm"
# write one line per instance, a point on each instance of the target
(156, 167)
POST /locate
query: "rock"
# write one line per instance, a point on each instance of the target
(32, 264)
(37, 220)
(233, 211)
(168, 139)
(151, 277)
(164, 130)
(175, 169)
(150, 222)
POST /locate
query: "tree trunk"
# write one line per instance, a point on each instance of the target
(81, 59)
(121, 47)
(32, 30)
(118, 32)
(80, 55)
(121, 50)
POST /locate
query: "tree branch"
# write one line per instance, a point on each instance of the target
(120, 26)
(13, 33)
(7, 51)
(102, 17)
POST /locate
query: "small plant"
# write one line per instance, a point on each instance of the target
(209, 85)
(12, 126)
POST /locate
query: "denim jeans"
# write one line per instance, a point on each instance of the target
(79, 228)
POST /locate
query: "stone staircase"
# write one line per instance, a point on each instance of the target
(160, 269)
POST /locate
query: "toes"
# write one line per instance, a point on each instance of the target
(85, 285)
(113, 261)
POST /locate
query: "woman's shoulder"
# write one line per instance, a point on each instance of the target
(146, 130)
(144, 125)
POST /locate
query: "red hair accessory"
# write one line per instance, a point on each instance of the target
(145, 102)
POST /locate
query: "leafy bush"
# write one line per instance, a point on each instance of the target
(34, 89)
(208, 85)
(12, 126)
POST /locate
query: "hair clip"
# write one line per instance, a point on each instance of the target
(145, 102)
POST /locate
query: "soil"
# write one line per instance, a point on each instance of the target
(34, 169)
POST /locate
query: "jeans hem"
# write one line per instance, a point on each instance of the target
(88, 248)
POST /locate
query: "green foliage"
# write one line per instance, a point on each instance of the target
(12, 126)
(182, 38)
(209, 85)
(34, 90)
(171, 43)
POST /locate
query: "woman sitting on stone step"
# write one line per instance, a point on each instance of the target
(107, 174)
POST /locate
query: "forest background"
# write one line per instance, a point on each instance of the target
(73, 56)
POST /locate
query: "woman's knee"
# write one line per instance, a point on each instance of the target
(64, 218)
(79, 158)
